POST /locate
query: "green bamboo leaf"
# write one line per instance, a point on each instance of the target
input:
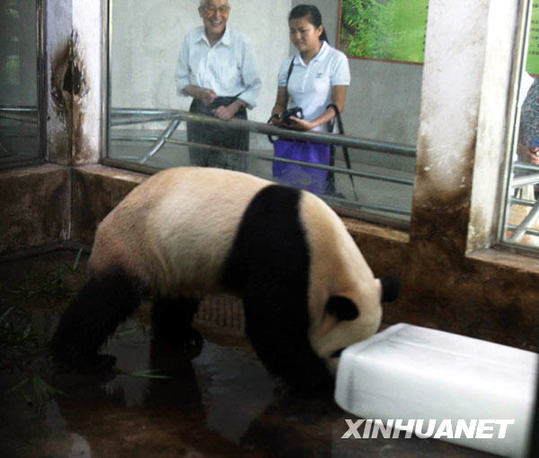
(77, 259)
(6, 313)
(148, 373)
(127, 332)
(27, 332)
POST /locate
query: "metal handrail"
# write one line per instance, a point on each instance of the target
(126, 116)
(530, 231)
(525, 166)
(175, 116)
(526, 223)
(263, 128)
(523, 202)
(173, 125)
(524, 180)
(519, 181)
(313, 165)
(19, 113)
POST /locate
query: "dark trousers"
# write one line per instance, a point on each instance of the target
(217, 136)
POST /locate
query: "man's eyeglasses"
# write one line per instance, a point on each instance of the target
(223, 9)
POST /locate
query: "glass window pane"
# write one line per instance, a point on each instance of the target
(372, 179)
(19, 132)
(522, 215)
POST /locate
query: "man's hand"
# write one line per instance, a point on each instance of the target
(224, 113)
(228, 112)
(207, 96)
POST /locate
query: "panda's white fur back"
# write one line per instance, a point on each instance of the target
(192, 215)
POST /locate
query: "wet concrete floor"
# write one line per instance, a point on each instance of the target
(218, 403)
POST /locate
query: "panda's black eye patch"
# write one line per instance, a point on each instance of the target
(342, 308)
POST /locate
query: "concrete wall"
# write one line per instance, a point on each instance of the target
(35, 208)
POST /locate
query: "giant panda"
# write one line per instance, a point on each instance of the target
(185, 232)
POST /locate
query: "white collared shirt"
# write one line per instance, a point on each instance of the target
(228, 67)
(310, 85)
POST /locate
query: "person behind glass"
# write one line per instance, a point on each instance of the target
(529, 134)
(217, 68)
(317, 76)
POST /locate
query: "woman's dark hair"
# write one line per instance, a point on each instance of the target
(312, 14)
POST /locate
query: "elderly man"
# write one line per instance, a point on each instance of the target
(217, 68)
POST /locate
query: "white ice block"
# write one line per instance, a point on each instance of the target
(412, 373)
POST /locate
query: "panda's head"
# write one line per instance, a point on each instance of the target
(351, 317)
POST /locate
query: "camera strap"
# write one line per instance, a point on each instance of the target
(290, 69)
(340, 127)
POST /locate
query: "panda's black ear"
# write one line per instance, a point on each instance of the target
(390, 288)
(342, 308)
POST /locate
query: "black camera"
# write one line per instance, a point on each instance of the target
(295, 111)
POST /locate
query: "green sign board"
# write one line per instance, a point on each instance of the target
(532, 62)
(391, 30)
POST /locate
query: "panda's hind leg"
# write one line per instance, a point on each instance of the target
(92, 317)
(172, 322)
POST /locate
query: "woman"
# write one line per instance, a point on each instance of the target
(316, 77)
